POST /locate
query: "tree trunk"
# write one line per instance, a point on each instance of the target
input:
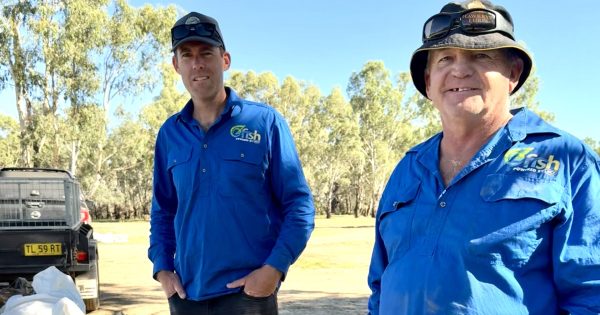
(74, 154)
(329, 207)
(358, 200)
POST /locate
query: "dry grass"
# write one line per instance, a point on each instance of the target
(329, 278)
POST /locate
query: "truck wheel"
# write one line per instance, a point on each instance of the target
(94, 303)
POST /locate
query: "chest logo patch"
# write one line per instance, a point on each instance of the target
(241, 133)
(526, 160)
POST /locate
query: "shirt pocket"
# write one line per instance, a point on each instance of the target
(514, 220)
(179, 165)
(242, 171)
(395, 220)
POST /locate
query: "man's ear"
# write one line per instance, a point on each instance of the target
(226, 61)
(175, 62)
(516, 68)
(427, 81)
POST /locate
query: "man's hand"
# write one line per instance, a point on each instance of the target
(260, 282)
(170, 283)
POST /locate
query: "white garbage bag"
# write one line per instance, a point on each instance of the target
(56, 294)
(66, 306)
(55, 283)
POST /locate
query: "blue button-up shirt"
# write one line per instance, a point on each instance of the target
(229, 200)
(517, 231)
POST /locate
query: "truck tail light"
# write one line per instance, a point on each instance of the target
(81, 256)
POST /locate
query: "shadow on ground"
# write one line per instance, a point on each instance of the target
(126, 300)
(294, 302)
(123, 295)
(131, 300)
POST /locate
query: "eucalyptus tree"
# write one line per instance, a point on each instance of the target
(263, 87)
(594, 144)
(298, 103)
(9, 141)
(427, 121)
(527, 97)
(135, 42)
(334, 130)
(67, 61)
(377, 104)
(169, 101)
(293, 99)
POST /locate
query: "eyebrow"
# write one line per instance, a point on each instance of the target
(203, 49)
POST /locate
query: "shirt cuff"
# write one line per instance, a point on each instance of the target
(280, 262)
(162, 263)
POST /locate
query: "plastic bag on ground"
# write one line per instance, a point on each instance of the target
(56, 294)
(18, 287)
(66, 306)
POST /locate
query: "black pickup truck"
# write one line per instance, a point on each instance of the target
(41, 225)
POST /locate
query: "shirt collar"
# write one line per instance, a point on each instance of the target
(234, 103)
(186, 114)
(525, 122)
(233, 106)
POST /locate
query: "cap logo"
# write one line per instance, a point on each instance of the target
(475, 4)
(192, 20)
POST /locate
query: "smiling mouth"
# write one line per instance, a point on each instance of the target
(461, 89)
(200, 78)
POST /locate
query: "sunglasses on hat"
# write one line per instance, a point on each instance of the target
(474, 21)
(201, 29)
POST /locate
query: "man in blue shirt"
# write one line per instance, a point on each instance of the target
(500, 212)
(231, 209)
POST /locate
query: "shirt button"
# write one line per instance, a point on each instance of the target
(205, 146)
(242, 155)
(203, 170)
(443, 204)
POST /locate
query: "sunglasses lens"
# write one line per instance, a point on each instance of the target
(179, 32)
(478, 21)
(183, 31)
(437, 26)
(202, 30)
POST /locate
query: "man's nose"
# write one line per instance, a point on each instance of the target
(462, 67)
(197, 64)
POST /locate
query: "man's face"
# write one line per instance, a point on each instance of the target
(462, 82)
(201, 67)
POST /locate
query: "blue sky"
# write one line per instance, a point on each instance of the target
(324, 41)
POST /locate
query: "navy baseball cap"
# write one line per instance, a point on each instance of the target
(196, 27)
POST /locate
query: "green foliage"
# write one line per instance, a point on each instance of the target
(382, 123)
(426, 118)
(170, 100)
(9, 141)
(136, 43)
(68, 60)
(594, 144)
(335, 152)
(525, 97)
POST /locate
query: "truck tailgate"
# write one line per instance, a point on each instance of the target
(25, 252)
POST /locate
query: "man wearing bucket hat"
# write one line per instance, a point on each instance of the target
(231, 209)
(500, 212)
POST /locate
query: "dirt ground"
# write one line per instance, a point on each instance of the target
(329, 278)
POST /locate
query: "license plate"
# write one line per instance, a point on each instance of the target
(42, 249)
